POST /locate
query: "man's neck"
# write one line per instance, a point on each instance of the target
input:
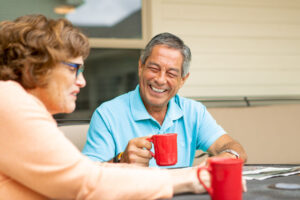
(158, 113)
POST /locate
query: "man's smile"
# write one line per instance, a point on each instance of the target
(157, 89)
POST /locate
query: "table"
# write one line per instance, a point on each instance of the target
(258, 190)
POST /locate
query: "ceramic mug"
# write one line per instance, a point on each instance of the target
(165, 147)
(226, 178)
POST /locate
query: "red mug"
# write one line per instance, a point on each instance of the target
(165, 147)
(226, 178)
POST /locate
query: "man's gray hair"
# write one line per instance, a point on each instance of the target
(171, 41)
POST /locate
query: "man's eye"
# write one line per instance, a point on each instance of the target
(172, 75)
(153, 69)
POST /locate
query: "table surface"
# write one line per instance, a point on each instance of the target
(258, 190)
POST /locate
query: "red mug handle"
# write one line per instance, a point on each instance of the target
(209, 189)
(151, 140)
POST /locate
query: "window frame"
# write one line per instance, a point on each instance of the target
(127, 43)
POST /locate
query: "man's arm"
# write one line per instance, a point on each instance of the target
(225, 142)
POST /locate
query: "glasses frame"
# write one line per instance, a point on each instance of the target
(79, 67)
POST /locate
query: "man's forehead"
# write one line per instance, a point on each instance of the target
(166, 50)
(160, 46)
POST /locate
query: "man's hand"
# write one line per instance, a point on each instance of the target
(137, 151)
(222, 155)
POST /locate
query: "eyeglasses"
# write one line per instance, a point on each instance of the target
(79, 67)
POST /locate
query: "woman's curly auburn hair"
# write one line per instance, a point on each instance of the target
(32, 45)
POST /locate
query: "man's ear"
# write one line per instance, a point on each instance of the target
(183, 79)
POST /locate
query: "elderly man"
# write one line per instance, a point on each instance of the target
(120, 127)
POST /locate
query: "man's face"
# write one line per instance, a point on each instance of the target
(160, 77)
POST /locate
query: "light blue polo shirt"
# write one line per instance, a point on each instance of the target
(123, 118)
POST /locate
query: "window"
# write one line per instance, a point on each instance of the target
(108, 19)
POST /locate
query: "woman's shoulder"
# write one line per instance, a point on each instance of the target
(15, 97)
(9, 85)
(11, 90)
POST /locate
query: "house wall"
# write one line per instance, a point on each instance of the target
(239, 48)
(269, 134)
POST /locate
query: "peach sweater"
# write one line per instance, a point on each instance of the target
(38, 162)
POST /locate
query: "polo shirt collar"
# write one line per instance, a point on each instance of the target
(174, 111)
(139, 111)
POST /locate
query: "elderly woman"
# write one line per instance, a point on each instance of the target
(41, 64)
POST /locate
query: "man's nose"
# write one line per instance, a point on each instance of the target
(161, 78)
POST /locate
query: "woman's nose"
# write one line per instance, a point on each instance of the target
(80, 80)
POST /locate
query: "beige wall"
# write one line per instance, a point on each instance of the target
(270, 134)
(239, 48)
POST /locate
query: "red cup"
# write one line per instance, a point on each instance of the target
(165, 147)
(226, 178)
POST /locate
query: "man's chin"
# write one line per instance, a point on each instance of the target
(155, 102)
(158, 104)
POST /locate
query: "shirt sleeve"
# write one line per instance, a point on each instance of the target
(100, 145)
(208, 129)
(36, 154)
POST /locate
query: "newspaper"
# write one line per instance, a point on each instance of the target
(262, 173)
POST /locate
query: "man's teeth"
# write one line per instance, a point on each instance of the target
(157, 90)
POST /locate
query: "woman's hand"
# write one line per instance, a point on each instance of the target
(185, 180)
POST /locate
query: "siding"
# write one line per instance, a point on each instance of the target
(239, 48)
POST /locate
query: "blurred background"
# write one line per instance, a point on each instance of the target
(245, 60)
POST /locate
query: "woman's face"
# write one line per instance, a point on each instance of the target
(60, 94)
